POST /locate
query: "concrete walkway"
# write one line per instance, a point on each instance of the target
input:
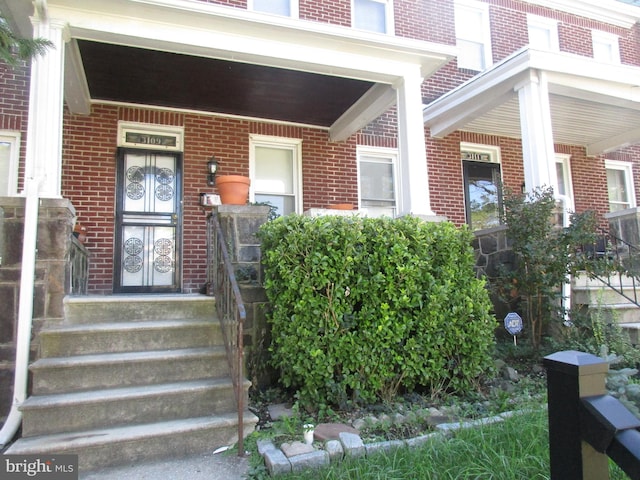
(220, 466)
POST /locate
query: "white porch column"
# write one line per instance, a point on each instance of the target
(537, 132)
(44, 134)
(414, 180)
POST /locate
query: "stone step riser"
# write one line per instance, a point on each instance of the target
(99, 449)
(100, 309)
(49, 379)
(59, 417)
(58, 343)
(602, 297)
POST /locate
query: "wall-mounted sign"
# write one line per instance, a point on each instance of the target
(156, 137)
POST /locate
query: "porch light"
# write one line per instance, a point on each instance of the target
(523, 188)
(212, 168)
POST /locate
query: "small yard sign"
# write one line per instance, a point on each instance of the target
(513, 324)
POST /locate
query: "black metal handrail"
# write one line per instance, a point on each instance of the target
(616, 263)
(79, 265)
(231, 313)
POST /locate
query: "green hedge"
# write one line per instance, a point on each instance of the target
(363, 307)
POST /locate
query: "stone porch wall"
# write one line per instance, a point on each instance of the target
(52, 277)
(240, 224)
(492, 248)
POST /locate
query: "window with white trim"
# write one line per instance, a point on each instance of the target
(286, 8)
(373, 15)
(563, 190)
(9, 159)
(275, 170)
(482, 177)
(620, 185)
(606, 47)
(377, 181)
(473, 34)
(543, 33)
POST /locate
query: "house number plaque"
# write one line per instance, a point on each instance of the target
(151, 139)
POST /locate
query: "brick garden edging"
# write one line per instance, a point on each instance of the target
(350, 445)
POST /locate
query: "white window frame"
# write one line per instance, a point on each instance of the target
(627, 168)
(548, 25)
(471, 6)
(294, 7)
(388, 16)
(385, 155)
(566, 200)
(607, 39)
(487, 154)
(13, 138)
(294, 145)
(145, 135)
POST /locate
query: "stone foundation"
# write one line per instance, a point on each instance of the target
(52, 277)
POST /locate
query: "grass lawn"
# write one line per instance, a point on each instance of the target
(517, 448)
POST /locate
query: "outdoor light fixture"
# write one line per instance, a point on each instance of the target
(212, 167)
(523, 188)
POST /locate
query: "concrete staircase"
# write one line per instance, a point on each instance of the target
(129, 378)
(594, 294)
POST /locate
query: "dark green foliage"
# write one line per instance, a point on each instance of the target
(13, 49)
(545, 255)
(364, 307)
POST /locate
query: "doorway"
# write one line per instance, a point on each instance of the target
(148, 222)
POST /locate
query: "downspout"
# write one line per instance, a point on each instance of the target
(32, 184)
(25, 312)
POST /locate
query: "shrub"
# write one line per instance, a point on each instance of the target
(545, 256)
(363, 307)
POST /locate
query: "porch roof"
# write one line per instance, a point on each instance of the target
(592, 104)
(195, 55)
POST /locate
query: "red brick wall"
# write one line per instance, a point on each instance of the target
(337, 12)
(89, 154)
(14, 107)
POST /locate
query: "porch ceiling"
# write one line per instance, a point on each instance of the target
(592, 105)
(150, 77)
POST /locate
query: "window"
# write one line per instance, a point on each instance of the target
(620, 185)
(605, 47)
(9, 158)
(482, 180)
(377, 181)
(473, 35)
(275, 172)
(373, 15)
(563, 190)
(543, 33)
(286, 8)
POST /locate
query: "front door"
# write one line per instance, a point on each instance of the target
(148, 222)
(482, 194)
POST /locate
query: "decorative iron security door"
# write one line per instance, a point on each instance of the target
(148, 219)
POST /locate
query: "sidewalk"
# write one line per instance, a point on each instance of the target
(221, 466)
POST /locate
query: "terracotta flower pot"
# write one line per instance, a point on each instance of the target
(233, 189)
(340, 206)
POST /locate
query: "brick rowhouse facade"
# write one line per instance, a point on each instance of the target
(329, 169)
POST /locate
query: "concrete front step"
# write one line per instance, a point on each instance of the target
(112, 370)
(621, 313)
(131, 308)
(633, 329)
(49, 414)
(132, 444)
(82, 339)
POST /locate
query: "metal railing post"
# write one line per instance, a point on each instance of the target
(571, 376)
